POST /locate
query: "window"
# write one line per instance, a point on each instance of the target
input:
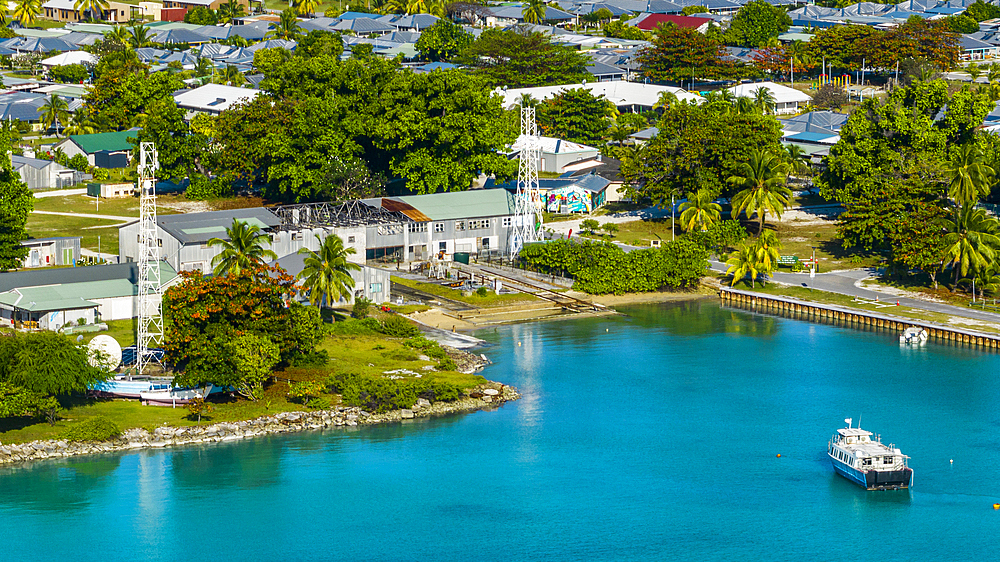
(350, 240)
(389, 229)
(479, 224)
(417, 227)
(296, 236)
(375, 288)
(443, 246)
(159, 242)
(439, 227)
(506, 222)
(888, 460)
(459, 225)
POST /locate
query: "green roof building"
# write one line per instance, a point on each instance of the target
(104, 150)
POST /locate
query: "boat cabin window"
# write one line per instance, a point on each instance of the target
(887, 460)
(867, 462)
(850, 440)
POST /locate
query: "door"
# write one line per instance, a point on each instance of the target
(67, 256)
(35, 259)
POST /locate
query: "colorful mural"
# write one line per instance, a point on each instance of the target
(575, 199)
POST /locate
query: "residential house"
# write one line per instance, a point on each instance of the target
(787, 100)
(37, 173)
(649, 22)
(570, 193)
(626, 96)
(104, 150)
(556, 154)
(212, 4)
(212, 98)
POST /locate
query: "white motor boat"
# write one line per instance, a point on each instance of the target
(174, 396)
(914, 335)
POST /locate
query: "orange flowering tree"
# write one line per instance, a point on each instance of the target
(207, 317)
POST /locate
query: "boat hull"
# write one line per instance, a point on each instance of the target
(124, 388)
(175, 396)
(876, 479)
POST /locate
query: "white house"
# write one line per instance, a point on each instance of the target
(786, 100)
(213, 98)
(556, 154)
(627, 96)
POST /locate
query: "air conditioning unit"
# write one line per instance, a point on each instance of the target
(654, 243)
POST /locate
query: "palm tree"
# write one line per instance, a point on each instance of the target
(4, 14)
(80, 124)
(243, 250)
(742, 264)
(231, 76)
(139, 37)
(768, 250)
(763, 183)
(974, 71)
(700, 211)
(745, 106)
(533, 11)
(971, 242)
(230, 10)
(764, 100)
(203, 67)
(54, 112)
(665, 100)
(238, 41)
(971, 178)
(797, 159)
(26, 11)
(527, 100)
(95, 8)
(287, 28)
(327, 272)
(994, 73)
(118, 34)
(305, 8)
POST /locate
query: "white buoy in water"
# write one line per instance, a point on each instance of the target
(952, 461)
(518, 344)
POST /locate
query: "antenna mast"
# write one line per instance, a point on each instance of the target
(149, 299)
(528, 201)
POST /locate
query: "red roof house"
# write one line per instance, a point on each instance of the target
(650, 22)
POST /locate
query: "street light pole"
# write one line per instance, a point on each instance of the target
(672, 217)
(812, 266)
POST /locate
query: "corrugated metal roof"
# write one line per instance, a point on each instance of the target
(100, 142)
(461, 204)
(194, 228)
(68, 296)
(74, 275)
(405, 208)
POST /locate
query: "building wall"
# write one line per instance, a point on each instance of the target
(71, 149)
(52, 252)
(116, 308)
(214, 5)
(48, 177)
(57, 319)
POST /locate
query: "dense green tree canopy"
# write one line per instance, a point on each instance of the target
(698, 147)
(436, 130)
(202, 314)
(678, 54)
(47, 363)
(575, 115)
(981, 11)
(443, 41)
(892, 157)
(124, 90)
(517, 59)
(757, 23)
(16, 203)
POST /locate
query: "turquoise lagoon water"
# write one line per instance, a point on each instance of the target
(648, 437)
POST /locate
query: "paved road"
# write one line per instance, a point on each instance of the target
(845, 283)
(86, 215)
(60, 193)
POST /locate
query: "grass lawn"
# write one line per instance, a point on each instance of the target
(368, 354)
(491, 299)
(799, 239)
(88, 229)
(637, 233)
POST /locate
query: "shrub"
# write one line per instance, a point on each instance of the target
(70, 73)
(398, 327)
(352, 327)
(830, 97)
(97, 428)
(321, 403)
(79, 162)
(590, 225)
(376, 394)
(420, 342)
(305, 392)
(316, 358)
(482, 291)
(100, 174)
(361, 308)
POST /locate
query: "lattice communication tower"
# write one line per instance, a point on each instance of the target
(528, 201)
(150, 330)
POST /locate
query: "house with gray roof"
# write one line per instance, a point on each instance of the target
(363, 26)
(504, 16)
(37, 173)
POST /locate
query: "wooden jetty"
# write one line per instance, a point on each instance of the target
(854, 317)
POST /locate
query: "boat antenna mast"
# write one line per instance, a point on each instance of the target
(527, 201)
(150, 325)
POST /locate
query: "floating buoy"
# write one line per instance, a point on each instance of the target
(996, 506)
(779, 455)
(952, 461)
(897, 303)
(606, 330)
(518, 344)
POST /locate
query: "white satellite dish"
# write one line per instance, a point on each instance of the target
(104, 351)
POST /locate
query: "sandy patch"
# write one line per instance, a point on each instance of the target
(871, 285)
(973, 322)
(437, 318)
(186, 206)
(803, 218)
(634, 298)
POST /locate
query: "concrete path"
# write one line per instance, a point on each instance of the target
(60, 193)
(86, 215)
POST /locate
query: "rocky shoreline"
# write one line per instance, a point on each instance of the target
(486, 396)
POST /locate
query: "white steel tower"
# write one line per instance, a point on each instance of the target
(150, 329)
(528, 201)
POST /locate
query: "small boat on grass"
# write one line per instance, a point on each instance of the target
(175, 396)
(867, 462)
(129, 386)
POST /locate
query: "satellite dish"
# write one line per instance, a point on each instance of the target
(104, 351)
